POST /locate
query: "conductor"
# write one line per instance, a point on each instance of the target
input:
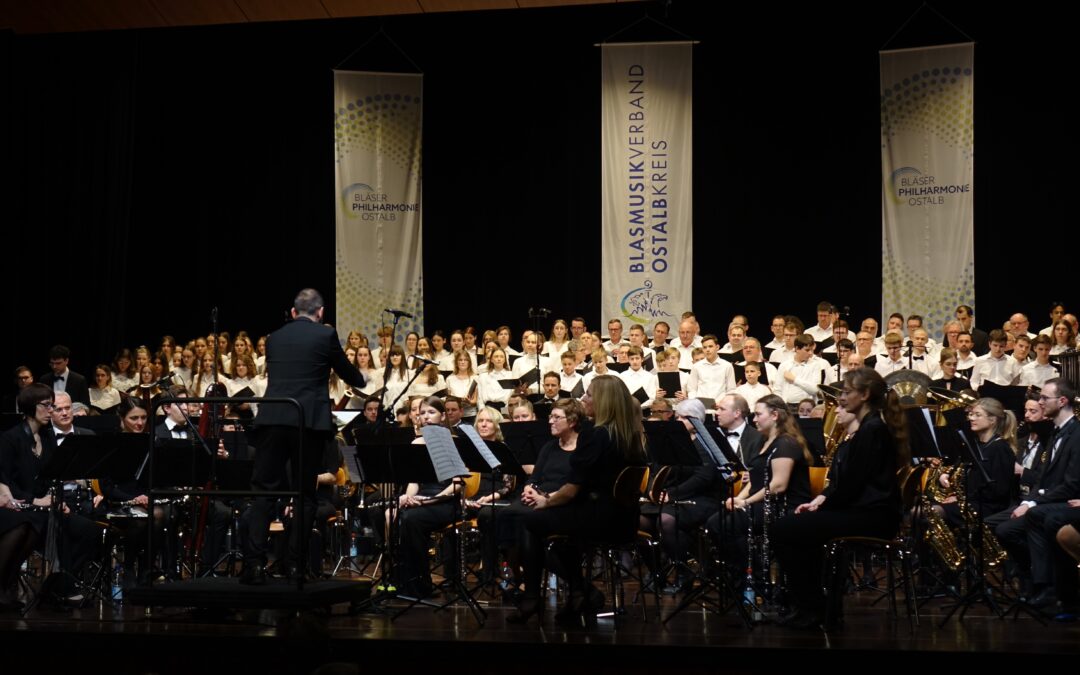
(299, 357)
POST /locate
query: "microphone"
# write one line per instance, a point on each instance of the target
(422, 359)
(399, 313)
(166, 380)
(539, 312)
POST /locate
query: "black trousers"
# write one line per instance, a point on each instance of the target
(799, 544)
(415, 526)
(276, 452)
(581, 521)
(1064, 566)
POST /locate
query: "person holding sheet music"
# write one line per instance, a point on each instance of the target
(782, 465)
(585, 508)
(103, 395)
(464, 383)
(525, 366)
(669, 363)
(422, 509)
(752, 390)
(690, 495)
(397, 374)
(245, 384)
(491, 389)
(570, 380)
(641, 384)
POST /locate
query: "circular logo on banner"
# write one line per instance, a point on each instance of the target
(644, 304)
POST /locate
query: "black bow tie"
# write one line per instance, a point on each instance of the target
(729, 434)
(59, 378)
(61, 434)
(918, 358)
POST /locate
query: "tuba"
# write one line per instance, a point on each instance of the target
(948, 400)
(834, 433)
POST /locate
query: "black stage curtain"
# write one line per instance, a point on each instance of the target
(155, 174)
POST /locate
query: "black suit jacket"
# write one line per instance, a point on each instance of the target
(1059, 479)
(75, 386)
(750, 443)
(48, 436)
(981, 342)
(299, 358)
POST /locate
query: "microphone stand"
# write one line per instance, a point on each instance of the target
(536, 314)
(910, 355)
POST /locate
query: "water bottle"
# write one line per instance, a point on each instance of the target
(505, 583)
(118, 583)
(353, 552)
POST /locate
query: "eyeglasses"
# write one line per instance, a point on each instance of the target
(1044, 397)
(556, 418)
(46, 405)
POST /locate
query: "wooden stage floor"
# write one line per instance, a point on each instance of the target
(184, 640)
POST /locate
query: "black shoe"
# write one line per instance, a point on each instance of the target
(1044, 599)
(528, 607)
(254, 574)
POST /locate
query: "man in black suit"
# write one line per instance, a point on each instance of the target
(299, 356)
(966, 316)
(732, 413)
(1022, 531)
(63, 379)
(23, 379)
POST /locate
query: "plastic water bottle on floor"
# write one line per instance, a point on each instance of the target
(118, 583)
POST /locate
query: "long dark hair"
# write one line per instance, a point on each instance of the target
(884, 402)
(786, 425)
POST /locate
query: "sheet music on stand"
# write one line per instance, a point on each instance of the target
(480, 445)
(719, 456)
(443, 453)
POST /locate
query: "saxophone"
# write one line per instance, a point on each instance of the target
(992, 552)
(937, 534)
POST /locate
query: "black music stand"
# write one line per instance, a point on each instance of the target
(386, 454)
(445, 460)
(495, 459)
(78, 457)
(525, 439)
(668, 444)
(727, 462)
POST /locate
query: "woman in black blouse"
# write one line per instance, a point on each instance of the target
(994, 429)
(584, 508)
(550, 473)
(862, 497)
(782, 464)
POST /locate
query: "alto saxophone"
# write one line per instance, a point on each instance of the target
(992, 552)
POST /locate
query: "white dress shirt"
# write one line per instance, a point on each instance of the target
(808, 375)
(1033, 373)
(886, 366)
(1004, 371)
(640, 379)
(781, 354)
(491, 390)
(710, 379)
(752, 393)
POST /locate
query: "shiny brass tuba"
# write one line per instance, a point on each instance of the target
(834, 433)
(948, 400)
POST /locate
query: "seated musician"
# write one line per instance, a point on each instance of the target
(25, 496)
(422, 510)
(782, 465)
(948, 361)
(688, 497)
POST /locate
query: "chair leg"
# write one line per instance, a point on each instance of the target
(891, 580)
(909, 591)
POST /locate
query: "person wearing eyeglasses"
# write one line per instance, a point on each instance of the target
(949, 379)
(1028, 532)
(24, 450)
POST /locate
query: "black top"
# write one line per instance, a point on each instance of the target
(1059, 477)
(596, 465)
(301, 355)
(999, 460)
(552, 467)
(784, 447)
(863, 473)
(702, 481)
(19, 466)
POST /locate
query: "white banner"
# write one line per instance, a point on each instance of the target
(927, 166)
(647, 153)
(377, 137)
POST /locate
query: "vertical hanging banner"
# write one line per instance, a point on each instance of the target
(646, 158)
(377, 139)
(927, 167)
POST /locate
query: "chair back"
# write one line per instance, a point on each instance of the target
(658, 483)
(630, 485)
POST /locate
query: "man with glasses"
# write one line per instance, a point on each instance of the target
(1028, 531)
(63, 379)
(23, 379)
(784, 353)
(893, 361)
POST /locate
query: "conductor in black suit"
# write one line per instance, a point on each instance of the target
(299, 358)
(61, 378)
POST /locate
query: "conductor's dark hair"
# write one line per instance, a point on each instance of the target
(307, 302)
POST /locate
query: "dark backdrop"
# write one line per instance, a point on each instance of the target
(155, 174)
